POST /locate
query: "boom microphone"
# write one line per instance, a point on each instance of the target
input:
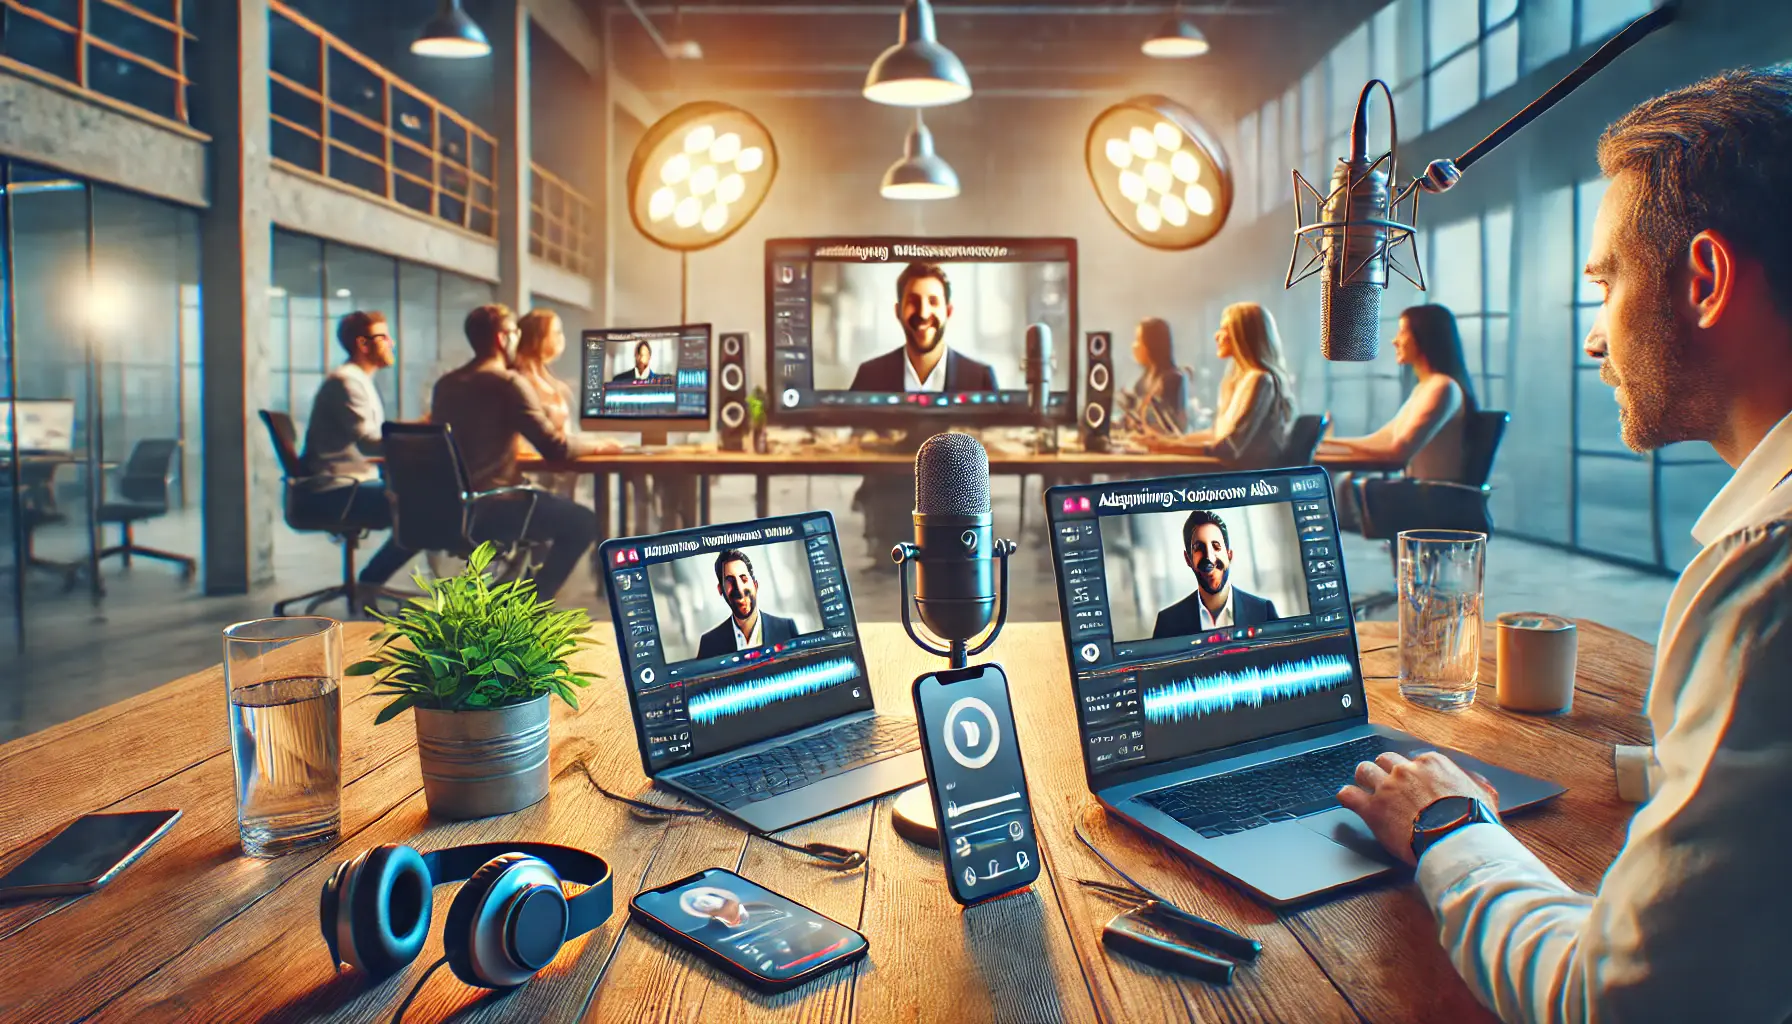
(1039, 367)
(955, 551)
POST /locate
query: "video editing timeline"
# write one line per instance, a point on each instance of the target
(1155, 699)
(791, 303)
(975, 768)
(701, 706)
(675, 385)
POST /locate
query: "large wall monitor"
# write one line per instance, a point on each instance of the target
(651, 379)
(875, 331)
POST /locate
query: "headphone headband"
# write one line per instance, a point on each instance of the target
(586, 911)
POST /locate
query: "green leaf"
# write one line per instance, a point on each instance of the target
(363, 668)
(394, 709)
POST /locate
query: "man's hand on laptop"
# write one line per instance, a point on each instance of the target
(1391, 791)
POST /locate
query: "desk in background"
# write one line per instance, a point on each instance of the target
(195, 932)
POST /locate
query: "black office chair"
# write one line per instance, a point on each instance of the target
(305, 517)
(434, 508)
(141, 492)
(36, 498)
(1303, 439)
(1389, 507)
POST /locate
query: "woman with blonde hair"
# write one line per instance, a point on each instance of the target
(1256, 405)
(543, 340)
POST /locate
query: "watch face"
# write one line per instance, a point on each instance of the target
(1446, 811)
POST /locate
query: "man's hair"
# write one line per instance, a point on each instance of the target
(920, 271)
(1712, 156)
(358, 324)
(483, 323)
(639, 345)
(1202, 517)
(733, 555)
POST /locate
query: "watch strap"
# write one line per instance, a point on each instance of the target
(1424, 839)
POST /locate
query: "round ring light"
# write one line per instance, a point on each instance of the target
(1159, 173)
(699, 174)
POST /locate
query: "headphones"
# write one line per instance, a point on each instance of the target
(506, 923)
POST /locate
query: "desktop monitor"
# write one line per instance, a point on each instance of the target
(852, 323)
(650, 379)
(44, 425)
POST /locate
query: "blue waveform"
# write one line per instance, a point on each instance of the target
(779, 686)
(637, 396)
(693, 378)
(1251, 687)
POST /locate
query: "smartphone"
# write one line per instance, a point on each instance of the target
(979, 788)
(85, 854)
(764, 939)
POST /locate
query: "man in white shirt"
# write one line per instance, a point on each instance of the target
(924, 362)
(1214, 603)
(747, 626)
(1690, 922)
(343, 430)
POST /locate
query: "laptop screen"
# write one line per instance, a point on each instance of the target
(1202, 612)
(45, 425)
(732, 634)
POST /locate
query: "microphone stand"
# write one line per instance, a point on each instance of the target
(955, 653)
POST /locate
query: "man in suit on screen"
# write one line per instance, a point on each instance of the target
(924, 362)
(1215, 602)
(746, 626)
(641, 373)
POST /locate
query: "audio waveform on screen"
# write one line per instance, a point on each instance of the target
(789, 684)
(693, 378)
(1251, 687)
(637, 396)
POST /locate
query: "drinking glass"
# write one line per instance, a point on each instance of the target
(284, 678)
(1440, 616)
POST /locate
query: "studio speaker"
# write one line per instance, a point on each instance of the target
(731, 392)
(1098, 390)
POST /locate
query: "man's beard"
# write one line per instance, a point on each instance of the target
(923, 343)
(737, 597)
(1667, 397)
(1209, 565)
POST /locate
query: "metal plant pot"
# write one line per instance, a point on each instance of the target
(480, 763)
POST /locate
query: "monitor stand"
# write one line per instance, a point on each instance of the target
(908, 443)
(654, 439)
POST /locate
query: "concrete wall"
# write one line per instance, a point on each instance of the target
(51, 126)
(315, 206)
(559, 284)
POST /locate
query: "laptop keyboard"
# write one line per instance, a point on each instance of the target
(803, 762)
(1279, 791)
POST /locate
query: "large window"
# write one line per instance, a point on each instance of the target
(141, 54)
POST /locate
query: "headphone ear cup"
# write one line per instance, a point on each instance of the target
(457, 933)
(390, 900)
(329, 904)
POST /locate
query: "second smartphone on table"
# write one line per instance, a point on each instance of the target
(978, 784)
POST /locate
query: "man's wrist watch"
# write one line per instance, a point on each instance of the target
(1444, 816)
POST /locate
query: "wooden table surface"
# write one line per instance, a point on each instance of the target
(197, 932)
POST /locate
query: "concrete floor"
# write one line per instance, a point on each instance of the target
(151, 628)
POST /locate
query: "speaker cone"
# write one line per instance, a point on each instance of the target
(1095, 414)
(732, 378)
(1098, 344)
(733, 414)
(1099, 378)
(731, 344)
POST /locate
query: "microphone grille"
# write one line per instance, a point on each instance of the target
(951, 476)
(1349, 321)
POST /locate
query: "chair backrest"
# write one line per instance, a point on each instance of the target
(1481, 437)
(286, 444)
(426, 481)
(1303, 439)
(148, 471)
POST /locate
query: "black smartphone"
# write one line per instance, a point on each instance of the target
(760, 937)
(85, 855)
(978, 784)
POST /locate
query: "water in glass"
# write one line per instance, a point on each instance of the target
(1440, 616)
(283, 677)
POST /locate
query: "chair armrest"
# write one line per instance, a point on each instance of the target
(534, 493)
(496, 491)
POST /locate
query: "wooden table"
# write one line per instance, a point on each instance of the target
(196, 932)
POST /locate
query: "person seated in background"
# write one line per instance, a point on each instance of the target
(642, 372)
(1256, 405)
(1425, 436)
(1158, 401)
(490, 406)
(344, 429)
(543, 340)
(924, 362)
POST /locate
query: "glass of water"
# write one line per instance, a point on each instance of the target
(1440, 616)
(284, 678)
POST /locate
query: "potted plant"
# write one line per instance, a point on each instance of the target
(478, 668)
(756, 416)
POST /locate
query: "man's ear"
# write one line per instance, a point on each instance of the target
(948, 311)
(1711, 276)
(1188, 557)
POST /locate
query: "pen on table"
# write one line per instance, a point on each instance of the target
(1241, 946)
(1192, 927)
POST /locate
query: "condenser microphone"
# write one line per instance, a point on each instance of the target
(955, 552)
(1039, 367)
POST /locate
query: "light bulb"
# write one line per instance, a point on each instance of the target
(1132, 187)
(699, 139)
(730, 189)
(1149, 218)
(1157, 175)
(1184, 166)
(1119, 153)
(750, 159)
(715, 217)
(1168, 136)
(703, 181)
(725, 148)
(676, 169)
(689, 210)
(1200, 200)
(1174, 211)
(660, 204)
(1143, 143)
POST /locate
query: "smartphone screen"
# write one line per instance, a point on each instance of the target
(85, 852)
(979, 787)
(751, 927)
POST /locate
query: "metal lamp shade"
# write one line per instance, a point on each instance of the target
(451, 33)
(921, 173)
(1176, 37)
(917, 71)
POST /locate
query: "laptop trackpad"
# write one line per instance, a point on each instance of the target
(1347, 830)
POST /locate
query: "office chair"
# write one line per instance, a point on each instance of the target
(331, 519)
(1388, 507)
(36, 498)
(140, 492)
(1303, 439)
(434, 508)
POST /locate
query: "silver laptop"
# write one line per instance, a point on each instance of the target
(746, 677)
(1219, 692)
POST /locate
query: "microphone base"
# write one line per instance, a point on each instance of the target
(912, 815)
